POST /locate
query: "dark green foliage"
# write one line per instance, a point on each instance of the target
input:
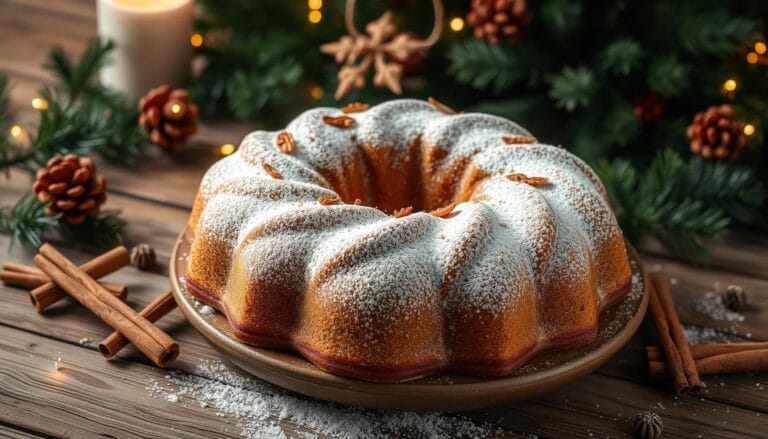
(668, 76)
(680, 202)
(715, 33)
(573, 88)
(26, 222)
(621, 57)
(488, 66)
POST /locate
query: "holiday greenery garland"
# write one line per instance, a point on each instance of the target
(618, 83)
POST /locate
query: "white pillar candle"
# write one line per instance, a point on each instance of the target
(153, 46)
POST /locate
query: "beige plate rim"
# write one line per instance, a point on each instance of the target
(446, 392)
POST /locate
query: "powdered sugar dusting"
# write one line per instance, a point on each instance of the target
(388, 268)
(260, 411)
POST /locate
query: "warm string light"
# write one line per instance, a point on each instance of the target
(39, 104)
(315, 15)
(749, 129)
(16, 131)
(316, 92)
(730, 85)
(196, 40)
(456, 24)
(175, 108)
(758, 54)
(227, 149)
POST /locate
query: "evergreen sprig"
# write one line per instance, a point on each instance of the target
(82, 117)
(682, 203)
(491, 66)
(573, 87)
(26, 222)
(622, 57)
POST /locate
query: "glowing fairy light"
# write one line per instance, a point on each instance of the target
(39, 104)
(316, 92)
(227, 149)
(315, 4)
(730, 85)
(456, 24)
(760, 47)
(16, 130)
(315, 16)
(196, 40)
(749, 129)
(752, 57)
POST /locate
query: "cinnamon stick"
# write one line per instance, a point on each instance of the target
(30, 280)
(677, 334)
(152, 312)
(734, 362)
(700, 351)
(154, 343)
(49, 293)
(20, 268)
(673, 360)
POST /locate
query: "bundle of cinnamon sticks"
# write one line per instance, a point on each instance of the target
(57, 277)
(676, 359)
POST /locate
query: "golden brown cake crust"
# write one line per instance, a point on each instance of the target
(318, 238)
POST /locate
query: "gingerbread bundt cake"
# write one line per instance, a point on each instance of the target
(398, 241)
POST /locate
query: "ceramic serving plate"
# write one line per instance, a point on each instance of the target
(445, 392)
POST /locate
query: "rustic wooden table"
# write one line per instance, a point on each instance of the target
(89, 396)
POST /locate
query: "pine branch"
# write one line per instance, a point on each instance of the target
(79, 77)
(82, 117)
(482, 65)
(716, 33)
(251, 76)
(573, 88)
(26, 222)
(668, 76)
(621, 57)
(681, 203)
(103, 231)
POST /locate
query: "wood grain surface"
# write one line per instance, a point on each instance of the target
(90, 396)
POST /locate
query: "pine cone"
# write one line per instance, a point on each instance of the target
(497, 20)
(716, 133)
(72, 188)
(168, 117)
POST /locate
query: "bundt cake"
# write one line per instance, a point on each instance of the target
(396, 241)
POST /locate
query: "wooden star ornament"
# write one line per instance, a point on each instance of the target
(377, 48)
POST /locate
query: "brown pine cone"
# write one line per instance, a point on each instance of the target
(497, 20)
(72, 188)
(716, 133)
(168, 117)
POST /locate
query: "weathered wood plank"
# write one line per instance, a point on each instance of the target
(80, 9)
(28, 34)
(88, 397)
(743, 251)
(690, 286)
(7, 431)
